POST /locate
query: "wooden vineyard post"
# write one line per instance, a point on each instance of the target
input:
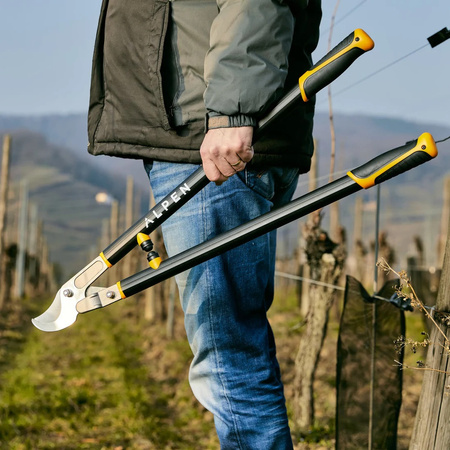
(432, 424)
(4, 182)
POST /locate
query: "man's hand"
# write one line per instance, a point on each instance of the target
(225, 151)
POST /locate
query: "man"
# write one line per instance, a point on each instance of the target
(160, 68)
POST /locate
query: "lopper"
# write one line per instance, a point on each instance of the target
(78, 295)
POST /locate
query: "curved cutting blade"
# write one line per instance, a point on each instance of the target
(61, 314)
(63, 311)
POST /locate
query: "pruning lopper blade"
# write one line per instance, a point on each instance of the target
(63, 310)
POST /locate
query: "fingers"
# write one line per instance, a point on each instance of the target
(226, 151)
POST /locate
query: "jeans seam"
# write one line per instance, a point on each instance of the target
(290, 180)
(209, 284)
(255, 188)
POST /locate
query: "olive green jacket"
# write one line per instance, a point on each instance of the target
(254, 53)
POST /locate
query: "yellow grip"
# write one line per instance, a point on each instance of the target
(108, 264)
(394, 162)
(334, 63)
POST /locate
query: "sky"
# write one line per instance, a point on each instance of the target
(46, 52)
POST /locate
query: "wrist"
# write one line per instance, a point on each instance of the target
(217, 120)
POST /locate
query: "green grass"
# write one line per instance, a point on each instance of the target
(96, 385)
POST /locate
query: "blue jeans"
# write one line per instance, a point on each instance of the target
(234, 372)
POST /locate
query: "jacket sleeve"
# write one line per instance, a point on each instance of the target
(247, 63)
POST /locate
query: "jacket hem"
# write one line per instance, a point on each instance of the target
(260, 160)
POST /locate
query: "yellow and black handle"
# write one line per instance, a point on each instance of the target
(394, 162)
(334, 63)
(324, 72)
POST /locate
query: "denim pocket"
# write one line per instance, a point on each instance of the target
(270, 183)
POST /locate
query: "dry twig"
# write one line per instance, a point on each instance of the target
(406, 291)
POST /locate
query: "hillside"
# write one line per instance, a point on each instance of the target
(63, 186)
(70, 131)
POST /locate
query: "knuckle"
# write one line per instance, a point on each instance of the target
(239, 146)
(214, 152)
(212, 175)
(246, 156)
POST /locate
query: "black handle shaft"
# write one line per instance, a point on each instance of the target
(156, 216)
(257, 227)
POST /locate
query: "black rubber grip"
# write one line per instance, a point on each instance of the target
(334, 63)
(395, 162)
(318, 80)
